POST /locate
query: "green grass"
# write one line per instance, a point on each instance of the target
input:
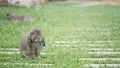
(58, 22)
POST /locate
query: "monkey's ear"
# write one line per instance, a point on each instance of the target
(32, 33)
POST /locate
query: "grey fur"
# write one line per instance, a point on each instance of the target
(11, 16)
(31, 44)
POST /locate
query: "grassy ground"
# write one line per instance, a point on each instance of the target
(62, 25)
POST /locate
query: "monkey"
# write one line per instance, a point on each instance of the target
(11, 16)
(32, 44)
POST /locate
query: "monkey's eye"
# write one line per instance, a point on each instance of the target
(37, 33)
(33, 33)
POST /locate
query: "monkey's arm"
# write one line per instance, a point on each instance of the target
(44, 43)
(29, 41)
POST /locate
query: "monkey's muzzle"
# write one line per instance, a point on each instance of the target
(38, 40)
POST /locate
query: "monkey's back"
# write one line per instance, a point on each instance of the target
(24, 46)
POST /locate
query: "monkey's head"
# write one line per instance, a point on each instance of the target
(9, 16)
(35, 36)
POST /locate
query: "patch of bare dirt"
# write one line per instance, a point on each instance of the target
(90, 2)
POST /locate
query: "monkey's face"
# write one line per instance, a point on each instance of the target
(9, 16)
(36, 36)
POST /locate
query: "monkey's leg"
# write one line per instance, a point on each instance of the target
(33, 56)
(24, 54)
(37, 52)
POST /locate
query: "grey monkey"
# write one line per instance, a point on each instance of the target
(11, 16)
(31, 44)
